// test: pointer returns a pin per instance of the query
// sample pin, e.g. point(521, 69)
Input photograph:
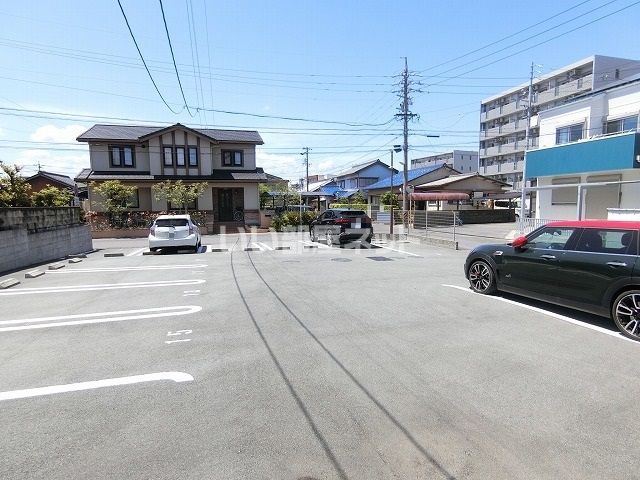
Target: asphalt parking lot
point(267, 356)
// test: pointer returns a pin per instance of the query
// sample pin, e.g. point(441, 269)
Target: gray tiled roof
point(356, 168)
point(133, 133)
point(56, 177)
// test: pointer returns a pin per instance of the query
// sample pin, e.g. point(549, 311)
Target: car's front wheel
point(626, 313)
point(481, 277)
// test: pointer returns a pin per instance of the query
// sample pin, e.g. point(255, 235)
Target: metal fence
point(433, 224)
point(526, 225)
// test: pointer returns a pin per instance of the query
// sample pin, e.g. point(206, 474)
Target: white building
point(464, 161)
point(503, 117)
point(593, 139)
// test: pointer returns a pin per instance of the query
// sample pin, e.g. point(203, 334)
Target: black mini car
point(587, 265)
point(341, 225)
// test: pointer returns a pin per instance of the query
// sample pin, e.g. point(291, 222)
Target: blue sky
point(68, 65)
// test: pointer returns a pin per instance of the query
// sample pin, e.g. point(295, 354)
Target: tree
point(357, 198)
point(179, 193)
point(51, 197)
point(116, 196)
point(389, 198)
point(14, 189)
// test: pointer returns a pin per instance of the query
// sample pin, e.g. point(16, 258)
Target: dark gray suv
point(341, 225)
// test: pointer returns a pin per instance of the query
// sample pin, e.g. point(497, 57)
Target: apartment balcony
point(483, 116)
point(509, 108)
point(491, 169)
point(571, 88)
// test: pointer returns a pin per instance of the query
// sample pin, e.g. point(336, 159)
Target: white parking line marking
point(177, 377)
point(545, 312)
point(127, 269)
point(136, 252)
point(399, 251)
point(106, 286)
point(314, 244)
point(265, 246)
point(101, 317)
point(169, 342)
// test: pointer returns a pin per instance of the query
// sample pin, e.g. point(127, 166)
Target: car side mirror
point(519, 242)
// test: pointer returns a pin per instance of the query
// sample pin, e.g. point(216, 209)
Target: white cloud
point(289, 167)
point(51, 133)
point(64, 163)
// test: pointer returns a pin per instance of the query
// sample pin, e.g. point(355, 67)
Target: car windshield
point(172, 222)
point(352, 213)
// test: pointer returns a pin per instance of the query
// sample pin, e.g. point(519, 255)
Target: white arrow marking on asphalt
point(545, 312)
point(136, 252)
point(106, 286)
point(102, 317)
point(109, 382)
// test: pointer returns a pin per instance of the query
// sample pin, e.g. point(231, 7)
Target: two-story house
point(143, 156)
point(361, 176)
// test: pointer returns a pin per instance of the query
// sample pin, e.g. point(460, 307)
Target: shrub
point(352, 206)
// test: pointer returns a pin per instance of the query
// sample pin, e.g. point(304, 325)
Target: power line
point(484, 47)
point(166, 28)
point(143, 60)
point(544, 41)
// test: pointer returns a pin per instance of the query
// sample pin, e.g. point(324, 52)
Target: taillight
point(191, 230)
point(153, 230)
point(366, 219)
point(343, 221)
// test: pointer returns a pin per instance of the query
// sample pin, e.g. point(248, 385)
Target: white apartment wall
point(565, 118)
point(629, 197)
point(604, 69)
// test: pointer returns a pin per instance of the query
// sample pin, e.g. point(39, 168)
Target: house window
point(122, 155)
point(180, 160)
point(232, 158)
point(565, 196)
point(621, 125)
point(572, 133)
point(193, 156)
point(167, 153)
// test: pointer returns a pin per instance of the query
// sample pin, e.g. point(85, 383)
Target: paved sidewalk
point(467, 236)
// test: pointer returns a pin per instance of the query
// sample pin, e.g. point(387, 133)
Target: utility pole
point(406, 115)
point(526, 147)
point(306, 161)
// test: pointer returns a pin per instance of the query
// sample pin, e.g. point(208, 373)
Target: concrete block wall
point(39, 218)
point(20, 248)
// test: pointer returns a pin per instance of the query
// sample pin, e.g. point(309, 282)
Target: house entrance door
point(225, 204)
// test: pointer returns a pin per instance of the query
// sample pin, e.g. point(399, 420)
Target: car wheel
point(329, 239)
point(153, 249)
point(481, 277)
point(312, 234)
point(626, 313)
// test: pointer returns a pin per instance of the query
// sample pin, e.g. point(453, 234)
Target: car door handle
point(616, 264)
point(548, 257)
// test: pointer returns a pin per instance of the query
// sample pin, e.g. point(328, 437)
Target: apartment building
point(464, 161)
point(503, 117)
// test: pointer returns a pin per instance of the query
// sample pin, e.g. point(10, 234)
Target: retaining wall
point(34, 235)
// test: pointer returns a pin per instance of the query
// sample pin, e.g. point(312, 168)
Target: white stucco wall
point(629, 196)
point(100, 161)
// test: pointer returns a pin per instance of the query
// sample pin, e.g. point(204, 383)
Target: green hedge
point(352, 206)
point(286, 219)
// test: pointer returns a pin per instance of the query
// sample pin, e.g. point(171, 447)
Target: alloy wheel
point(481, 277)
point(626, 314)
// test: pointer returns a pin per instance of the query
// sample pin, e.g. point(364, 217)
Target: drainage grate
point(381, 259)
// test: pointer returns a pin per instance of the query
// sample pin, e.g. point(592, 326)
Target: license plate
point(172, 235)
point(357, 224)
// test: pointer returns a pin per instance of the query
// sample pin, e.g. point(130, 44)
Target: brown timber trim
point(186, 154)
point(161, 156)
point(199, 155)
